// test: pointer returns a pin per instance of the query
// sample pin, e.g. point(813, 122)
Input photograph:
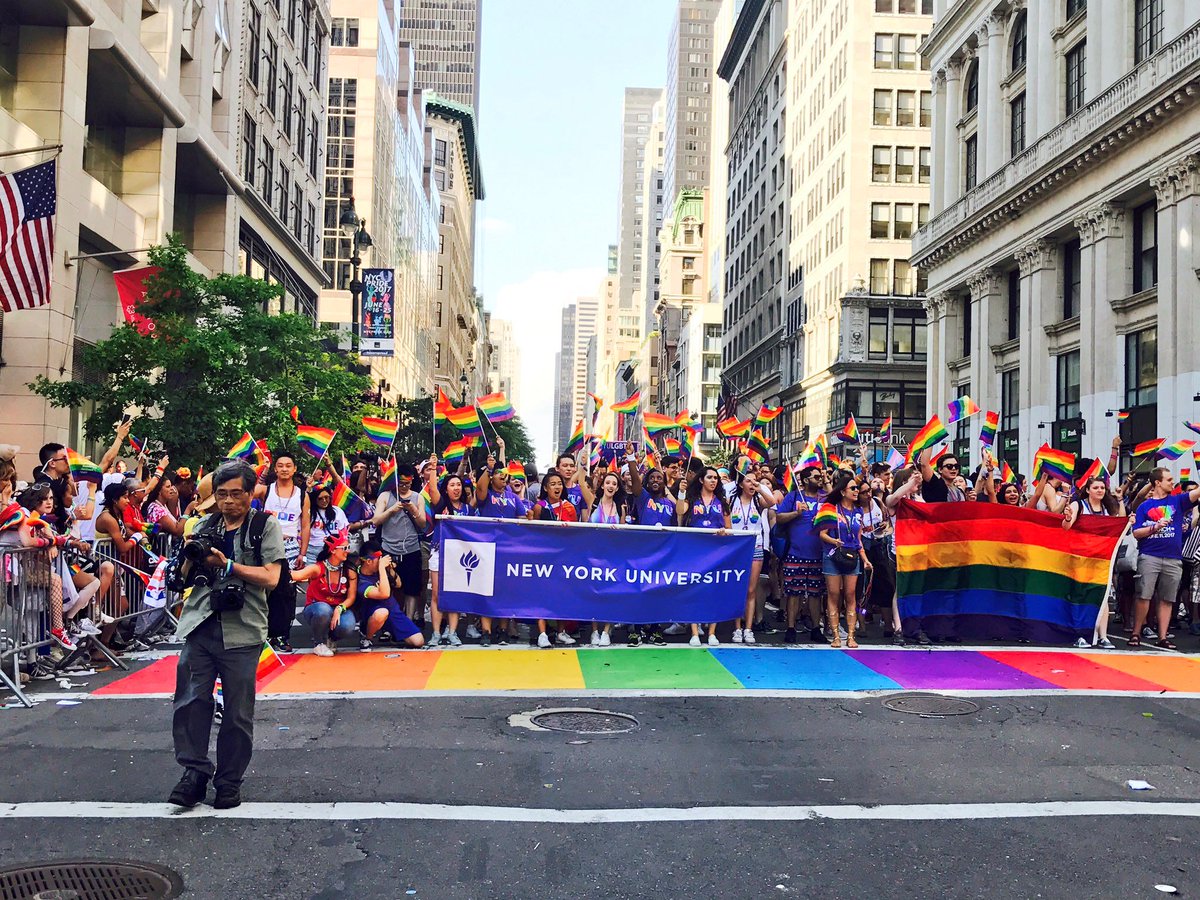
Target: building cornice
point(743, 28)
point(465, 117)
point(1154, 91)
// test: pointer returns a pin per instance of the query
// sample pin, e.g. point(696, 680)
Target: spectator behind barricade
point(39, 571)
point(330, 594)
point(378, 608)
point(160, 499)
point(112, 522)
point(940, 486)
point(185, 487)
point(223, 626)
point(324, 521)
point(1158, 527)
point(53, 464)
point(131, 514)
point(88, 577)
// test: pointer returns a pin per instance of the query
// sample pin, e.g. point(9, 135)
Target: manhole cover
point(586, 721)
point(931, 705)
point(89, 879)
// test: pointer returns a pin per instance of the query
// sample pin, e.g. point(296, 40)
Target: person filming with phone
point(399, 522)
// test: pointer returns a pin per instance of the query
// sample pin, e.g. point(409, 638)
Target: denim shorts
point(828, 567)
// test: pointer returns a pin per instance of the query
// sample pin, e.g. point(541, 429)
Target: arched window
point(973, 87)
point(1020, 37)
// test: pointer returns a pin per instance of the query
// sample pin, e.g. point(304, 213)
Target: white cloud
point(496, 226)
point(534, 306)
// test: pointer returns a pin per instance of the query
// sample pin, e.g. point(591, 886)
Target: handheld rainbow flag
point(821, 448)
point(826, 517)
point(1191, 426)
point(987, 433)
point(1054, 463)
point(1173, 451)
point(496, 407)
point(789, 480)
point(895, 459)
point(456, 450)
point(835, 460)
point(1006, 474)
point(656, 423)
point(849, 432)
point(809, 456)
point(1185, 474)
point(441, 408)
point(885, 430)
point(1147, 447)
point(597, 405)
point(962, 408)
point(576, 441)
point(466, 420)
point(766, 414)
point(758, 445)
point(688, 442)
point(83, 469)
point(387, 476)
point(322, 480)
point(243, 448)
point(671, 446)
point(380, 431)
point(1122, 415)
point(355, 508)
point(345, 469)
point(262, 453)
point(647, 439)
point(515, 469)
point(1095, 470)
point(731, 428)
point(931, 433)
point(268, 662)
point(313, 440)
point(744, 465)
point(294, 412)
point(629, 404)
point(933, 460)
point(138, 445)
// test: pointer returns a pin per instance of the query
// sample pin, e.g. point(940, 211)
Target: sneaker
point(748, 637)
point(737, 635)
point(771, 607)
point(1148, 632)
point(634, 639)
point(565, 639)
point(323, 649)
point(87, 626)
point(543, 640)
point(1082, 644)
point(454, 640)
point(434, 640)
point(502, 638)
point(365, 645)
point(485, 639)
point(189, 790)
point(227, 798)
point(1106, 644)
point(695, 641)
point(106, 619)
point(605, 639)
point(675, 628)
point(898, 639)
point(657, 639)
point(923, 638)
point(595, 638)
point(789, 636)
point(712, 641)
point(817, 636)
point(473, 632)
point(63, 638)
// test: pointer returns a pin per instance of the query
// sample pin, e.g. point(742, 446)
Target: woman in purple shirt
point(704, 505)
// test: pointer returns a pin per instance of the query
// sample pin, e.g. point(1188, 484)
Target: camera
point(229, 597)
point(188, 568)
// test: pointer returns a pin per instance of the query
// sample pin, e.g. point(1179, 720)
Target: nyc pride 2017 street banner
point(981, 570)
point(627, 574)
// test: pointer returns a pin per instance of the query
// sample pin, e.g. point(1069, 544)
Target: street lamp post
point(462, 383)
point(355, 229)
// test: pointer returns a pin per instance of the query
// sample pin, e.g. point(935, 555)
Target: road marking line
point(358, 811)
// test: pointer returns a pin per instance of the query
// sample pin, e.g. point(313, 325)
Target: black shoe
point(898, 639)
point(817, 636)
point(789, 636)
point(634, 639)
point(485, 639)
point(227, 798)
point(658, 640)
point(502, 638)
point(923, 638)
point(190, 789)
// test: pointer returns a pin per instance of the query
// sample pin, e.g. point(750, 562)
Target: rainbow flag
point(1185, 474)
point(648, 440)
point(1122, 416)
point(895, 459)
point(380, 431)
point(821, 448)
point(987, 434)
point(688, 443)
point(268, 662)
point(355, 508)
point(243, 449)
point(1095, 470)
point(294, 412)
point(576, 441)
point(933, 460)
point(465, 419)
point(684, 420)
point(766, 414)
point(313, 440)
point(322, 480)
point(1192, 426)
point(672, 446)
point(962, 408)
point(629, 404)
point(83, 469)
point(345, 469)
point(456, 450)
point(809, 457)
point(743, 465)
point(496, 407)
point(849, 433)
point(1174, 451)
point(758, 445)
point(1147, 447)
point(789, 480)
point(835, 460)
point(885, 430)
point(656, 423)
point(441, 408)
point(983, 570)
point(826, 516)
point(14, 517)
point(597, 405)
point(732, 428)
point(1056, 463)
point(138, 445)
point(262, 453)
point(931, 433)
point(387, 476)
point(1006, 474)
point(515, 469)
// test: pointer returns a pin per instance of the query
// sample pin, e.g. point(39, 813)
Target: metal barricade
point(126, 598)
point(25, 583)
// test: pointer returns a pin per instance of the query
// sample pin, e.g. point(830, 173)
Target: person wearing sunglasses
point(939, 487)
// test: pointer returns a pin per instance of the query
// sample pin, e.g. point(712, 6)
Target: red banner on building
point(131, 290)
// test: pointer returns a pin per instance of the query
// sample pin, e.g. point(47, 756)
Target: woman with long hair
point(332, 590)
point(750, 512)
point(553, 506)
point(839, 524)
point(1095, 499)
point(282, 495)
point(450, 498)
point(156, 508)
point(83, 577)
point(611, 504)
point(704, 505)
point(34, 530)
point(325, 520)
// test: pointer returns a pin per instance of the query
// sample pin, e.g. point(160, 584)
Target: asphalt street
point(686, 752)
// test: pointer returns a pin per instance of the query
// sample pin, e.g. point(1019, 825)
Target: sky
point(553, 78)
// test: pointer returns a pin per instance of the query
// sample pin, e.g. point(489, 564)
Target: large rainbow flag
point(982, 570)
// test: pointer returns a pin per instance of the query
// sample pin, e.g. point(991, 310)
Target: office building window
point(1068, 385)
point(972, 87)
point(877, 327)
point(967, 315)
point(881, 164)
point(439, 152)
point(902, 282)
point(441, 283)
point(910, 335)
point(907, 56)
point(271, 83)
point(297, 204)
point(1147, 28)
point(1141, 368)
point(883, 108)
point(1075, 7)
point(285, 193)
point(287, 85)
point(905, 160)
point(881, 220)
point(1020, 42)
point(885, 51)
point(971, 167)
point(343, 32)
point(254, 50)
point(923, 166)
point(904, 222)
point(1014, 304)
point(1076, 77)
point(1145, 247)
point(1017, 123)
point(906, 107)
point(926, 109)
point(879, 281)
point(249, 147)
point(1010, 411)
point(1072, 278)
point(268, 171)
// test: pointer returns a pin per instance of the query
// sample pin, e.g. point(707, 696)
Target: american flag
point(27, 204)
point(728, 402)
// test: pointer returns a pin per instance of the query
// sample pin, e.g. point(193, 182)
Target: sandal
point(1164, 644)
point(1134, 642)
point(851, 644)
point(836, 642)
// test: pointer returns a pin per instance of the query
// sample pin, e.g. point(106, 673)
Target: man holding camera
point(236, 555)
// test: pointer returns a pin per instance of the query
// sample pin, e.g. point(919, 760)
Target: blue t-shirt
point(848, 529)
point(651, 511)
point(1171, 512)
point(805, 544)
point(575, 496)
point(502, 506)
point(711, 515)
point(465, 510)
point(364, 582)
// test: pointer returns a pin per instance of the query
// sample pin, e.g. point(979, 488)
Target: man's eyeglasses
point(230, 495)
point(60, 459)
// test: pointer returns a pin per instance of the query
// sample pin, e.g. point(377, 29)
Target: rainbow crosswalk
point(687, 669)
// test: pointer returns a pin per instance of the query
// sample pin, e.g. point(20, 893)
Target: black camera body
point(229, 597)
point(188, 567)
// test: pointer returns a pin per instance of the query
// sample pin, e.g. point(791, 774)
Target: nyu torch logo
point(468, 567)
point(470, 562)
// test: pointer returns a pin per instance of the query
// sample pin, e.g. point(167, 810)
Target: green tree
point(216, 364)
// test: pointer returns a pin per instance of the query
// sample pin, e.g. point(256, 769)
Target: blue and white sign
point(635, 575)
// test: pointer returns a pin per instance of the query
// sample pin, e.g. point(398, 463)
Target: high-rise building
point(684, 283)
point(445, 37)
point(849, 219)
point(587, 316)
point(375, 166)
point(1062, 250)
point(564, 383)
point(281, 141)
point(653, 206)
point(506, 370)
point(636, 116)
point(687, 141)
